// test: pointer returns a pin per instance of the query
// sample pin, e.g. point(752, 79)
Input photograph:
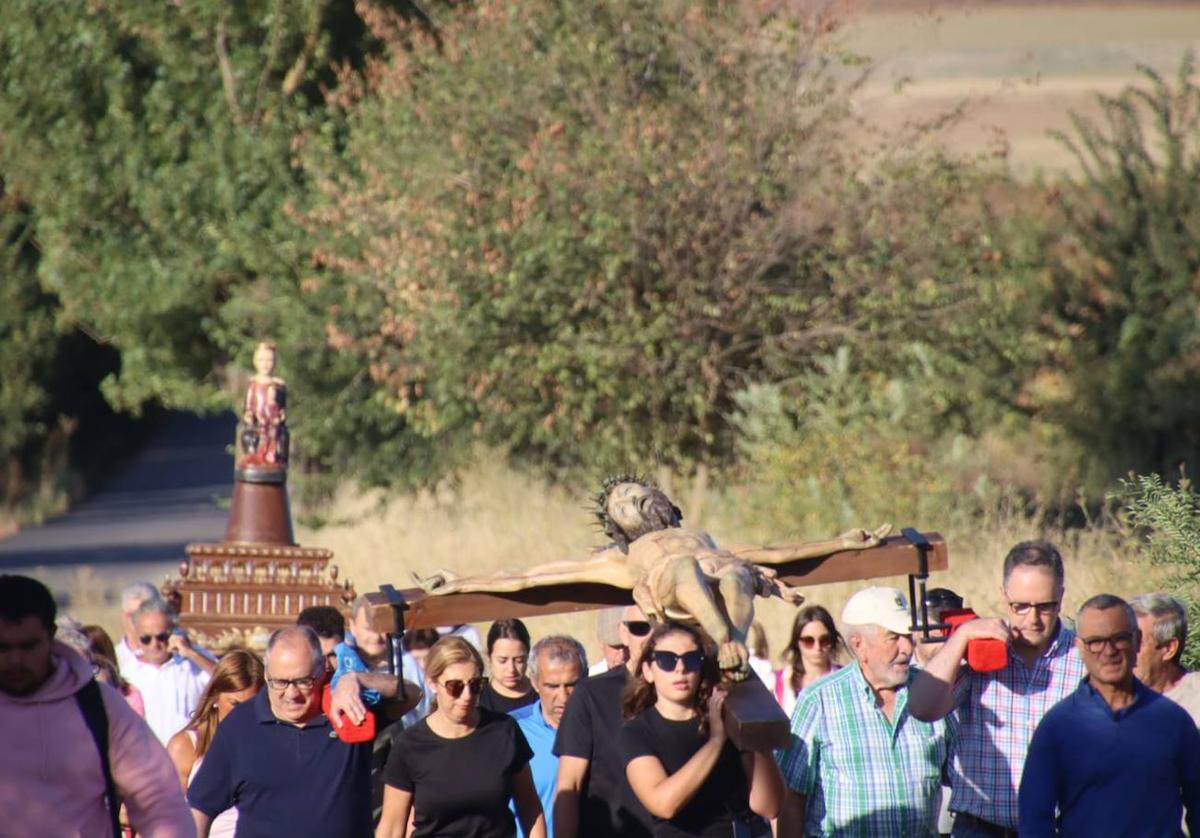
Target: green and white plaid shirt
point(863, 775)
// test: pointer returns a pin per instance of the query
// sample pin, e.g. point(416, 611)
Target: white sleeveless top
point(224, 824)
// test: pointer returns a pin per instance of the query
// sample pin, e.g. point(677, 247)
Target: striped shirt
point(994, 719)
point(861, 774)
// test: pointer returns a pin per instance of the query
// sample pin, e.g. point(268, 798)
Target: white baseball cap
point(879, 606)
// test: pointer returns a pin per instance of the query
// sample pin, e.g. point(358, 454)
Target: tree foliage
point(1168, 518)
point(156, 156)
point(1122, 281)
point(575, 232)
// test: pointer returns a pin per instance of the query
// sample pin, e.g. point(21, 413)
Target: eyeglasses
point(1043, 608)
point(638, 628)
point(1121, 642)
point(667, 661)
point(281, 684)
point(161, 637)
point(825, 641)
point(455, 686)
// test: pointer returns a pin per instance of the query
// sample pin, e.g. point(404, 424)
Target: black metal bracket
point(395, 638)
point(916, 585)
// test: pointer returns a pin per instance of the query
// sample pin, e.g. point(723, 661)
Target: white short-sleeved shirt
point(170, 691)
point(1186, 693)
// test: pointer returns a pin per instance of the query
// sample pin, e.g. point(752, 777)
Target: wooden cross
point(754, 720)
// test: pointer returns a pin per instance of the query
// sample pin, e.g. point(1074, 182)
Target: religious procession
point(747, 418)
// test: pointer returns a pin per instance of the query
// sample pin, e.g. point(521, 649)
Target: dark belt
point(986, 827)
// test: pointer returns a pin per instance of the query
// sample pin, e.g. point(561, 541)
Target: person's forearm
point(668, 797)
point(200, 660)
point(566, 799)
point(931, 692)
point(766, 785)
point(791, 814)
point(203, 823)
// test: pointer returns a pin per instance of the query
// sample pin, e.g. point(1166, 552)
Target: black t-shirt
point(489, 699)
point(722, 798)
point(461, 787)
point(589, 729)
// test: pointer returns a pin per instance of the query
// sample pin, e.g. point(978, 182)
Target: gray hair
point(77, 640)
point(299, 634)
point(156, 606)
point(1103, 602)
point(140, 593)
point(360, 602)
point(560, 648)
point(1170, 617)
point(859, 630)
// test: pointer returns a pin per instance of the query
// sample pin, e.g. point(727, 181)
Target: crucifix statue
point(673, 572)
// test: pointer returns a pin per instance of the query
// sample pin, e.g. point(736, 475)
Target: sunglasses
point(638, 628)
point(825, 641)
point(161, 637)
point(667, 661)
point(455, 686)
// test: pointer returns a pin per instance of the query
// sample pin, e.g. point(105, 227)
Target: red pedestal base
point(260, 514)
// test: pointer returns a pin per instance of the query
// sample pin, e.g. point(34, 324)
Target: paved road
point(174, 491)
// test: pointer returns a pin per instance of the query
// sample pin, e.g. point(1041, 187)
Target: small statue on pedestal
point(263, 435)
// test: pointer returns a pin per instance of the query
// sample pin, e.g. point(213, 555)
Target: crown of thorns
point(600, 509)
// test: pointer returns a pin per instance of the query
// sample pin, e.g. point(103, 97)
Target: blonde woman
point(237, 679)
point(460, 765)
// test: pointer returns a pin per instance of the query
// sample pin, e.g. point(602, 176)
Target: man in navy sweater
point(1115, 757)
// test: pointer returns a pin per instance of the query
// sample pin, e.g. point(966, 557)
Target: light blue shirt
point(544, 765)
point(348, 660)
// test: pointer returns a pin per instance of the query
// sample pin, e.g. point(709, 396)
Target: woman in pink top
point(811, 654)
point(237, 679)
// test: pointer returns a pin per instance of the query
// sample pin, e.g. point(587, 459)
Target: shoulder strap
point(91, 704)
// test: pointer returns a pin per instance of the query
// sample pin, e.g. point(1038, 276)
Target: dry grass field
point(1018, 70)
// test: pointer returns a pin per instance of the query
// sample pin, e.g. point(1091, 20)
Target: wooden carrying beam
point(894, 557)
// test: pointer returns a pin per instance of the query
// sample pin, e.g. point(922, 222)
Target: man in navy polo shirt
point(278, 761)
point(1114, 757)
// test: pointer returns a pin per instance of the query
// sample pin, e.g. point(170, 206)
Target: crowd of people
point(1087, 726)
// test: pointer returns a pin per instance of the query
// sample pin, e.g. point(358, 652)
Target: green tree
point(1122, 282)
point(1167, 519)
point(577, 231)
point(155, 146)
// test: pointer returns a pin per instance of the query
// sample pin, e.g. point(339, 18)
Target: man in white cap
point(858, 762)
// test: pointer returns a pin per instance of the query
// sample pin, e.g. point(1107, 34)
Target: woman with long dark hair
point(679, 762)
point(460, 765)
point(811, 653)
point(239, 677)
point(508, 687)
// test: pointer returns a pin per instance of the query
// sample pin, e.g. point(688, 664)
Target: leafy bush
point(1122, 255)
point(575, 232)
point(1168, 518)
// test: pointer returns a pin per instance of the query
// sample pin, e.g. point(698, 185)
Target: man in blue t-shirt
point(1115, 757)
point(556, 664)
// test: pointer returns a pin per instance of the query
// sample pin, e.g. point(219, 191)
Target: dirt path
point(135, 527)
